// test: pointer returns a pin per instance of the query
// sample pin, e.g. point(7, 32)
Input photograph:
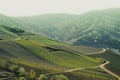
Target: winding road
point(102, 66)
point(102, 51)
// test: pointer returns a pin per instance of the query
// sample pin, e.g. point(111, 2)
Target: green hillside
point(57, 56)
point(98, 28)
point(23, 44)
point(39, 53)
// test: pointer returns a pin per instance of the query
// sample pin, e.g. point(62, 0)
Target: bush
point(22, 78)
point(21, 71)
point(42, 77)
point(4, 64)
point(14, 68)
point(59, 77)
point(32, 74)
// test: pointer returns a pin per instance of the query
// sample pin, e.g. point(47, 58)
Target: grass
point(20, 55)
point(60, 57)
point(78, 49)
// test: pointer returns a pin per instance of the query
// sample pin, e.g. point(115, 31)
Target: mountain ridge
point(99, 28)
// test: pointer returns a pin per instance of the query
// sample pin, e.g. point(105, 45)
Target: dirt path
point(108, 71)
point(76, 69)
point(103, 50)
point(102, 66)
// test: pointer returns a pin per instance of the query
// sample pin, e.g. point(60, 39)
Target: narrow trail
point(108, 71)
point(103, 50)
point(102, 66)
point(77, 69)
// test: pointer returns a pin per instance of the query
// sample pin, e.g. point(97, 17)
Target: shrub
point(32, 74)
point(14, 68)
point(22, 78)
point(42, 77)
point(4, 63)
point(21, 71)
point(59, 77)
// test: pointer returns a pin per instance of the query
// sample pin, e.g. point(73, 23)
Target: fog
point(36, 7)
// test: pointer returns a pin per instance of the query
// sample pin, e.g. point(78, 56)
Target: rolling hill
point(46, 56)
point(99, 28)
point(21, 43)
point(39, 53)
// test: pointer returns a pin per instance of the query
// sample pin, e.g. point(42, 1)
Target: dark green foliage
point(15, 30)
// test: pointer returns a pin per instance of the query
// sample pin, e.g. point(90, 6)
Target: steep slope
point(101, 29)
point(98, 28)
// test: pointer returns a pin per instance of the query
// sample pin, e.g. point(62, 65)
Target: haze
point(37, 7)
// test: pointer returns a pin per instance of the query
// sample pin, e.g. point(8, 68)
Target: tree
point(32, 74)
point(42, 77)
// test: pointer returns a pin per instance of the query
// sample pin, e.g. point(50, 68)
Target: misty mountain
point(100, 28)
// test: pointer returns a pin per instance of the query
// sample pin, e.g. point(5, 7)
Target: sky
point(38, 7)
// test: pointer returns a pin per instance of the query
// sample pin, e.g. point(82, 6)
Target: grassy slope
point(33, 53)
point(66, 47)
point(19, 54)
point(60, 57)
